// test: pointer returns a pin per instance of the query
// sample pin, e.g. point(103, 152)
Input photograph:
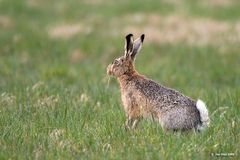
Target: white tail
point(202, 108)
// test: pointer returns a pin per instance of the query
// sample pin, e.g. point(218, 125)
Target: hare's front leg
point(131, 123)
point(128, 123)
point(135, 122)
point(132, 111)
point(132, 120)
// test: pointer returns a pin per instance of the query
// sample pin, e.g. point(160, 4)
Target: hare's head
point(125, 64)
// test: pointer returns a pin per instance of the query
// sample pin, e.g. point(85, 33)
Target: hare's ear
point(128, 44)
point(137, 46)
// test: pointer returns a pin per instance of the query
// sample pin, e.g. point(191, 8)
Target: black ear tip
point(142, 37)
point(129, 35)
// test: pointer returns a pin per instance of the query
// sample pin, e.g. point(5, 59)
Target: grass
point(55, 100)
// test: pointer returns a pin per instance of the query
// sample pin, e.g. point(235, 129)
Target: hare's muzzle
point(109, 69)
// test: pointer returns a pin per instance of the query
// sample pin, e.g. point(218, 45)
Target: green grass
point(52, 107)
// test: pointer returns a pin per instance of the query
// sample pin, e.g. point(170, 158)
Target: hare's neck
point(126, 79)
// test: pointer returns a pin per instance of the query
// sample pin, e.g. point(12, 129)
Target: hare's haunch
point(142, 97)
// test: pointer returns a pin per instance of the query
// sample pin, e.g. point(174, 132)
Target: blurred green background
point(56, 101)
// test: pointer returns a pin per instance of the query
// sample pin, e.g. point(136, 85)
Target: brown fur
point(143, 97)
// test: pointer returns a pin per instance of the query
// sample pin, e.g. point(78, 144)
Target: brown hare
point(142, 97)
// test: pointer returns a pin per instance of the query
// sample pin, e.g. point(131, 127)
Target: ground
point(56, 101)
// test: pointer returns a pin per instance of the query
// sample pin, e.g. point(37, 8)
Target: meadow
point(56, 101)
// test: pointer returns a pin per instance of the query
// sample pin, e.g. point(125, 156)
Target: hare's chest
point(131, 99)
point(127, 98)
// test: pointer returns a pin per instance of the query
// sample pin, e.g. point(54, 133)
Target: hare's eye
point(116, 61)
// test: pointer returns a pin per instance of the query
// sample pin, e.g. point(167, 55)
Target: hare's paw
point(131, 123)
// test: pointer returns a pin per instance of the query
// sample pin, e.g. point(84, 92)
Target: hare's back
point(160, 94)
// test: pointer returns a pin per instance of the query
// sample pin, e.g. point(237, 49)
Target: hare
point(142, 97)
